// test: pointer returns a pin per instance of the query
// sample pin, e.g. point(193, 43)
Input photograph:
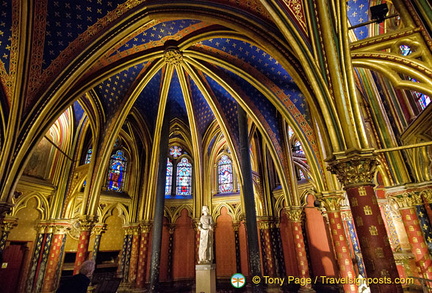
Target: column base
point(205, 278)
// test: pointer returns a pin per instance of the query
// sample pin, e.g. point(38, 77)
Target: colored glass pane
point(290, 132)
point(175, 151)
point(169, 173)
point(88, 156)
point(298, 149)
point(422, 99)
point(225, 175)
point(184, 177)
point(116, 172)
point(405, 50)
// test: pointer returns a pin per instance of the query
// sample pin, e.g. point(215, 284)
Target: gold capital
point(354, 170)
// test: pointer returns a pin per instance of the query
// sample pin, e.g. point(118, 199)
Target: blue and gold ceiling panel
point(175, 97)
point(158, 32)
point(66, 20)
point(5, 35)
point(228, 106)
point(358, 12)
point(78, 112)
point(113, 90)
point(148, 100)
point(202, 111)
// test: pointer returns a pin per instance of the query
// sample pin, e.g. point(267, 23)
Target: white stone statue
point(205, 225)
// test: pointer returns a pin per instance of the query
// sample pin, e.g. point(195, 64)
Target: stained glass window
point(225, 175)
point(298, 149)
point(116, 172)
point(169, 173)
point(88, 156)
point(422, 99)
point(184, 177)
point(175, 151)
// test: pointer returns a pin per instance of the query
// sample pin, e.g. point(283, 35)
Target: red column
point(133, 268)
point(142, 257)
point(86, 226)
point(416, 239)
point(54, 257)
point(296, 216)
point(340, 243)
point(356, 171)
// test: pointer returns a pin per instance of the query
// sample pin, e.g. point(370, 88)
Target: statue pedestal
point(205, 278)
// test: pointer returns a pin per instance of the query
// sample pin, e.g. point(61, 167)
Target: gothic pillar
point(86, 225)
point(42, 257)
point(277, 247)
point(133, 264)
point(126, 256)
point(6, 226)
point(332, 204)
point(296, 217)
point(236, 226)
point(35, 261)
point(171, 229)
point(142, 257)
point(98, 229)
point(53, 268)
point(407, 203)
point(266, 246)
point(356, 172)
point(248, 197)
point(352, 233)
point(160, 195)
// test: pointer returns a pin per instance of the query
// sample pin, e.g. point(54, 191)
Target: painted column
point(296, 217)
point(236, 226)
point(419, 249)
point(171, 230)
point(142, 257)
point(356, 172)
point(277, 247)
point(134, 255)
point(43, 258)
point(127, 254)
point(266, 248)
point(52, 272)
point(86, 225)
point(425, 223)
point(98, 229)
point(352, 233)
point(6, 225)
point(122, 260)
point(35, 261)
point(332, 202)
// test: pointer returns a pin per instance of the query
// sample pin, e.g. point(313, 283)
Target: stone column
point(248, 198)
point(296, 217)
point(332, 202)
point(53, 267)
point(268, 258)
point(356, 172)
point(134, 254)
point(98, 229)
point(142, 257)
point(43, 257)
point(34, 264)
point(407, 203)
point(86, 225)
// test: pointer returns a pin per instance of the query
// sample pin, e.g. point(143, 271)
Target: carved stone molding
point(407, 200)
point(354, 170)
point(173, 56)
point(145, 226)
point(295, 214)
